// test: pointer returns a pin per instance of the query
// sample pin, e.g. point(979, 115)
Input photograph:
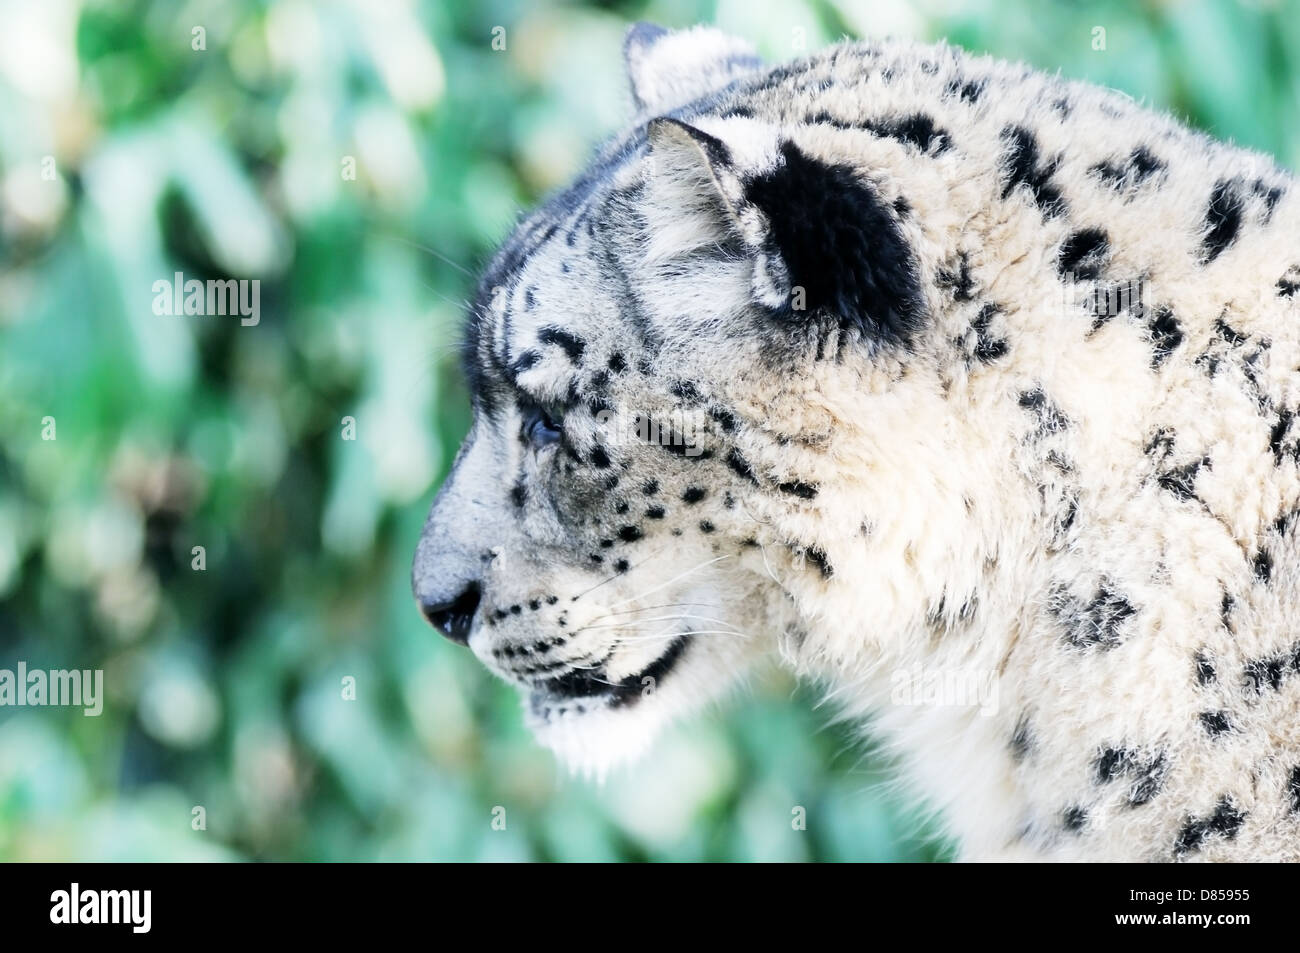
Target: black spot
point(1097, 623)
point(534, 605)
point(1289, 284)
point(1269, 194)
point(1293, 788)
point(1111, 173)
point(515, 609)
point(1250, 371)
point(629, 534)
point(1166, 335)
point(572, 345)
point(1277, 435)
point(1204, 666)
point(1021, 739)
point(599, 458)
point(685, 390)
point(1021, 166)
point(818, 558)
point(1215, 722)
point(1074, 819)
point(519, 493)
point(1083, 254)
point(1225, 822)
point(1265, 672)
point(606, 543)
point(987, 348)
point(1050, 418)
point(725, 418)
point(969, 90)
point(1285, 521)
point(842, 245)
point(596, 558)
point(693, 494)
point(1263, 566)
point(1222, 220)
point(806, 491)
point(650, 487)
point(616, 363)
point(1161, 442)
point(621, 566)
point(667, 437)
point(741, 466)
point(1139, 166)
point(1111, 763)
point(1143, 163)
point(706, 526)
point(917, 129)
point(958, 279)
point(1147, 773)
point(655, 513)
point(1181, 481)
point(552, 600)
point(611, 481)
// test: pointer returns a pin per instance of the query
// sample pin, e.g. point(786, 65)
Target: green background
point(126, 155)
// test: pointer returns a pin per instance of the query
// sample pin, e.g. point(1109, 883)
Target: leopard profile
point(893, 364)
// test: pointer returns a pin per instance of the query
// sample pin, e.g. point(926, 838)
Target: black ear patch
point(842, 245)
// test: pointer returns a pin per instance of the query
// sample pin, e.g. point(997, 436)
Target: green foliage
point(225, 686)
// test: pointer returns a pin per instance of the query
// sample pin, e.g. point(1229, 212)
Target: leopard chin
point(595, 726)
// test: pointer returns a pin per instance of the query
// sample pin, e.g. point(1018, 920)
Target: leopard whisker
point(611, 578)
point(641, 622)
point(680, 576)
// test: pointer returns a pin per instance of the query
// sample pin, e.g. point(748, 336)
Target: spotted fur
point(897, 359)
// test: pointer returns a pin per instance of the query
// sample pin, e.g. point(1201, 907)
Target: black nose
point(454, 619)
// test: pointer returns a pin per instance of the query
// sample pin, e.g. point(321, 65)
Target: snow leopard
point(967, 393)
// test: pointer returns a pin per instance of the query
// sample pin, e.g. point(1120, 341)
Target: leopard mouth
point(587, 688)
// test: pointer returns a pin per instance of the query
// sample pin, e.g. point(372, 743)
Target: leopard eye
point(540, 429)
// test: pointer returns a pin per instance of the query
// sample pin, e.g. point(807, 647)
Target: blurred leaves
point(360, 160)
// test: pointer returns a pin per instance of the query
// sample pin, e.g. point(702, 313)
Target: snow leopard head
point(640, 506)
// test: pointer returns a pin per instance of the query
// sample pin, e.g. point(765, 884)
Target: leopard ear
point(694, 181)
point(668, 69)
point(825, 247)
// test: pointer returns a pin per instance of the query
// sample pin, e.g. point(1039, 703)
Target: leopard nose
point(455, 618)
